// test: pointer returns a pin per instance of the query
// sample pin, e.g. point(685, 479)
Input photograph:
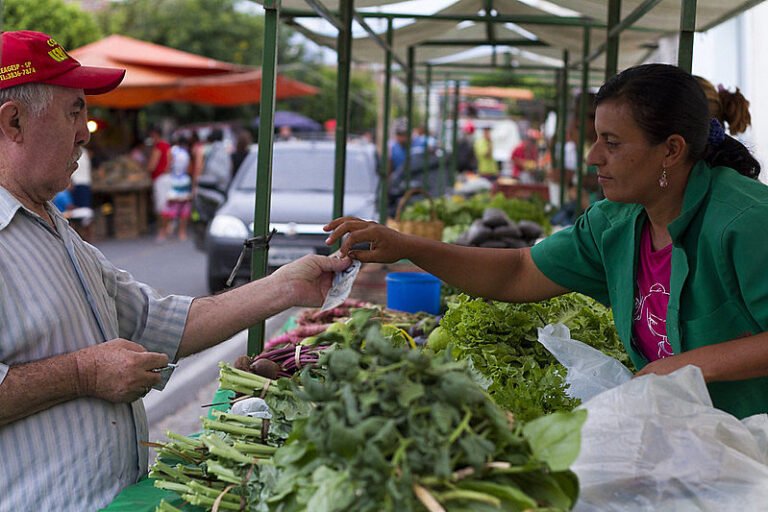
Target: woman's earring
point(663, 182)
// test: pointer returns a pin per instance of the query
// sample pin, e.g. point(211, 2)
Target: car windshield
point(310, 169)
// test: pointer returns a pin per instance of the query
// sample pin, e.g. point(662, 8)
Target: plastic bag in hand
point(589, 371)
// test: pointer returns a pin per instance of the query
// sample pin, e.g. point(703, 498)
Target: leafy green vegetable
point(394, 428)
point(457, 213)
point(501, 341)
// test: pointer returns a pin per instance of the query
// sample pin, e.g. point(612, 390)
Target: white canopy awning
point(636, 43)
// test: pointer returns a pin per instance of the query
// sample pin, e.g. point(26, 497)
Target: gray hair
point(35, 97)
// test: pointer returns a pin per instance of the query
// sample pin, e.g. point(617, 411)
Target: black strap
point(257, 242)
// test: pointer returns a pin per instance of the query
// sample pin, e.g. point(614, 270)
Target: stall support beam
point(625, 24)
point(687, 29)
point(425, 155)
point(444, 178)
point(385, 163)
point(264, 162)
point(563, 126)
point(455, 131)
point(344, 46)
point(582, 118)
point(409, 113)
point(612, 41)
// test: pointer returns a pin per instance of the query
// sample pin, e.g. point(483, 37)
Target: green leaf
point(409, 392)
point(556, 438)
point(334, 491)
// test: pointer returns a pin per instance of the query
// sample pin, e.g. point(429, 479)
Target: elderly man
point(80, 340)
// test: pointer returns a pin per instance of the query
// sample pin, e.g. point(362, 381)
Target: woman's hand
point(386, 245)
point(664, 366)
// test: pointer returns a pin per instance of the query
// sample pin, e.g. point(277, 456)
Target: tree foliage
point(67, 23)
point(321, 107)
point(219, 29)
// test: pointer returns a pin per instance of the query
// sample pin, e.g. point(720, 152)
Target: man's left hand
point(308, 279)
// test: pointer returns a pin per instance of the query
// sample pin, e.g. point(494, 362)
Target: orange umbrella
point(156, 73)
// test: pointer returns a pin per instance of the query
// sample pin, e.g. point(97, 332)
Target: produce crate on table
point(432, 228)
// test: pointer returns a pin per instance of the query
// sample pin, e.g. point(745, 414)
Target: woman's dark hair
point(666, 100)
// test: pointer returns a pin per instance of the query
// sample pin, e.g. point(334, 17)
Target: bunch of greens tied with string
point(396, 429)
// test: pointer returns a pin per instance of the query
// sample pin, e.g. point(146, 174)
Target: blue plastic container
point(413, 292)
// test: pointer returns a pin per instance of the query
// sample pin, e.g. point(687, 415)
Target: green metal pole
point(425, 155)
point(443, 118)
point(455, 131)
point(385, 174)
point(563, 126)
point(687, 28)
point(612, 41)
point(344, 47)
point(582, 117)
point(559, 118)
point(264, 169)
point(409, 113)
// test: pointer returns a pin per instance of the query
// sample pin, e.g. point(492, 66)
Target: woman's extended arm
point(739, 359)
point(500, 274)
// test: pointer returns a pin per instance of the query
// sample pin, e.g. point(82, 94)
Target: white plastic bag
point(589, 371)
point(656, 443)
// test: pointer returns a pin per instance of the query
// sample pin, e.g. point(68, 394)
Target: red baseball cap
point(33, 57)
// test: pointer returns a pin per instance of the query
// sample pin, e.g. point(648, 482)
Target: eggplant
point(493, 217)
point(511, 230)
point(531, 230)
point(478, 233)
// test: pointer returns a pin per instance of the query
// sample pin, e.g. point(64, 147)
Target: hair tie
point(716, 133)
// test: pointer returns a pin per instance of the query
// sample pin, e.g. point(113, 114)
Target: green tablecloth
point(144, 496)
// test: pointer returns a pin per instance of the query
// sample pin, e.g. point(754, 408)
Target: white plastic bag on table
point(656, 443)
point(589, 371)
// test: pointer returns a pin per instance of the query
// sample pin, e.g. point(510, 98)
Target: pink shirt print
point(650, 315)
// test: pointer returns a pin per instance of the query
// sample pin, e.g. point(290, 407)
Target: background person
point(675, 248)
point(157, 166)
point(486, 164)
point(730, 108)
point(81, 340)
point(178, 201)
point(525, 156)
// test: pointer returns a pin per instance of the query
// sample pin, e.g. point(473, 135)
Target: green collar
point(695, 191)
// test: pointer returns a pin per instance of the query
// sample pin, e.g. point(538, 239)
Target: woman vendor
point(674, 248)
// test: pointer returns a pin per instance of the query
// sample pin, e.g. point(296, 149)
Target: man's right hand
point(386, 245)
point(117, 370)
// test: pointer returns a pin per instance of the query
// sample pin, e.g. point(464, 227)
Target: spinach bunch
point(501, 341)
point(399, 429)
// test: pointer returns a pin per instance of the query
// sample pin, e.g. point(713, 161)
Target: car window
point(310, 169)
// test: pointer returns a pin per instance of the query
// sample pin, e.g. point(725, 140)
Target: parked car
point(301, 204)
point(439, 177)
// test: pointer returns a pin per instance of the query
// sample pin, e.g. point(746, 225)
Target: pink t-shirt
point(650, 318)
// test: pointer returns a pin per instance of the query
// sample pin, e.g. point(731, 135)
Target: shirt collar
point(9, 205)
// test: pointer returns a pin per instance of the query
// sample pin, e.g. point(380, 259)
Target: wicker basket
point(428, 229)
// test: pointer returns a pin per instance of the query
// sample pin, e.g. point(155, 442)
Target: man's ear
point(10, 121)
